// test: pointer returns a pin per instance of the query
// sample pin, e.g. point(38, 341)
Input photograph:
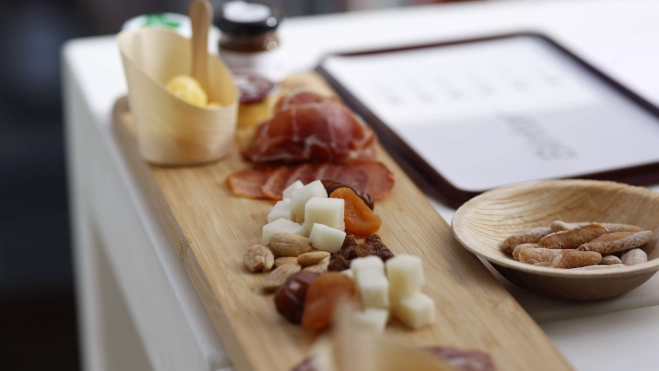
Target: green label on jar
point(160, 19)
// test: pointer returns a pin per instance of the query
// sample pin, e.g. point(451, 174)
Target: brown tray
point(211, 229)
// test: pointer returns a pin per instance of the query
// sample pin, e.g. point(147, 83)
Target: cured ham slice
point(248, 183)
point(312, 128)
point(372, 178)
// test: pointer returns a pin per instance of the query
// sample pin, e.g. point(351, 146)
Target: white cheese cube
point(325, 238)
point(405, 274)
point(282, 210)
point(304, 194)
point(372, 319)
point(368, 263)
point(281, 226)
point(373, 289)
point(290, 190)
point(327, 211)
point(415, 311)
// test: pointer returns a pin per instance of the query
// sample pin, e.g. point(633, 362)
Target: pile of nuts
point(288, 253)
point(585, 245)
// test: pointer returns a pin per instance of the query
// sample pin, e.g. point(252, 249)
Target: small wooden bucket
point(169, 130)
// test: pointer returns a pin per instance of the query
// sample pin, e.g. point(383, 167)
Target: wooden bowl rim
point(485, 252)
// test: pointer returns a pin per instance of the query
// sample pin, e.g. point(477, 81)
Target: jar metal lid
point(241, 18)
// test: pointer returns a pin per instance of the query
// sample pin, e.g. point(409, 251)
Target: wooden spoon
point(200, 17)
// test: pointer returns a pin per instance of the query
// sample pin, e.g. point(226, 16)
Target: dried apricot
point(359, 218)
point(333, 185)
point(324, 293)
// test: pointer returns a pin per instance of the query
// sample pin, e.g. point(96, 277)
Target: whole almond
point(572, 238)
point(312, 257)
point(285, 260)
point(530, 236)
point(619, 241)
point(277, 277)
point(633, 257)
point(288, 244)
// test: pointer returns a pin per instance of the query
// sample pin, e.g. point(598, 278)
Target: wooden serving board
point(211, 229)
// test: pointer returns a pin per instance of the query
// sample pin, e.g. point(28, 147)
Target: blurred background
point(37, 300)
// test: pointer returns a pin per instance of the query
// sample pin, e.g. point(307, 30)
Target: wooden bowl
point(482, 224)
point(169, 130)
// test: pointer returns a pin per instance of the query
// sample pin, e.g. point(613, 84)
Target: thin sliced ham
point(373, 178)
point(249, 182)
point(307, 127)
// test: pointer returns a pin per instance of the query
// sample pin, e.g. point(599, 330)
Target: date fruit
point(290, 297)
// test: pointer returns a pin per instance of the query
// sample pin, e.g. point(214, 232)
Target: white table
point(138, 309)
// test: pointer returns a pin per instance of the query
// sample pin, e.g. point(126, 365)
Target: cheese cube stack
point(325, 238)
point(327, 211)
point(290, 190)
point(281, 226)
point(373, 289)
point(405, 273)
point(369, 263)
point(372, 319)
point(416, 311)
point(301, 196)
point(409, 305)
point(282, 210)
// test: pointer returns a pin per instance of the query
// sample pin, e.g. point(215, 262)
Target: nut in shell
point(258, 258)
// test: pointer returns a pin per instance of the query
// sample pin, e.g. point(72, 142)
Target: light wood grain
point(169, 130)
point(212, 228)
point(484, 222)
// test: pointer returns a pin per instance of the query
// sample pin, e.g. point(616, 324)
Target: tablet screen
point(502, 111)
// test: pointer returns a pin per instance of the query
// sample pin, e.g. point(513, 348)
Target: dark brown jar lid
point(241, 18)
point(253, 88)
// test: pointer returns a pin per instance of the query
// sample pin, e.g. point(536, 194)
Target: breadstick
point(634, 256)
point(619, 241)
point(557, 258)
point(572, 238)
point(610, 260)
point(531, 236)
point(521, 247)
point(558, 225)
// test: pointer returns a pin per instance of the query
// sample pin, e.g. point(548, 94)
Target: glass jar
point(249, 41)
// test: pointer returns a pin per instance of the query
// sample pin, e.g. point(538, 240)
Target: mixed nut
point(585, 245)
